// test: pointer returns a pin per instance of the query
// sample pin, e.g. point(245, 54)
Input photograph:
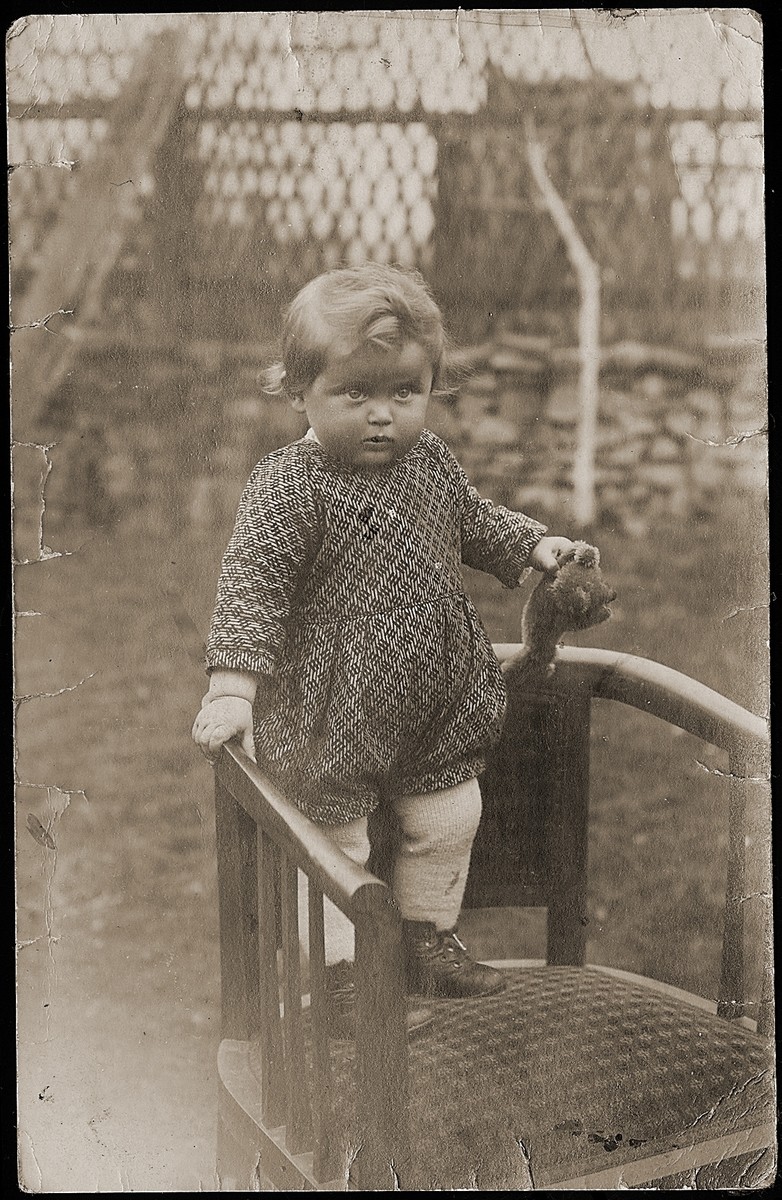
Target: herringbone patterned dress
point(341, 588)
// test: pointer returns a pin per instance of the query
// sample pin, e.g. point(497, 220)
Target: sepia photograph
point(390, 508)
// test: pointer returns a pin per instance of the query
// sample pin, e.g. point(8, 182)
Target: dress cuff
point(515, 569)
point(256, 662)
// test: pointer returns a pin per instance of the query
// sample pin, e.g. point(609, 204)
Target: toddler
point(343, 650)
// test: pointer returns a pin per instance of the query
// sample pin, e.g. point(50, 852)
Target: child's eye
point(355, 393)
point(405, 391)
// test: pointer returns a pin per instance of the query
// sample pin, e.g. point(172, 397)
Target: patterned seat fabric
point(575, 1071)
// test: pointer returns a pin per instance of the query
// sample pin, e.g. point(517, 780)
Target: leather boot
point(341, 1004)
point(438, 964)
point(340, 1000)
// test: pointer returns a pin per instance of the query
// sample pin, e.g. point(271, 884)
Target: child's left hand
point(547, 553)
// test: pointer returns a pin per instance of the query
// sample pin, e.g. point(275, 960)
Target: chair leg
point(238, 1169)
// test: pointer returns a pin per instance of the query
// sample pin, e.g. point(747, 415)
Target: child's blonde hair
point(348, 307)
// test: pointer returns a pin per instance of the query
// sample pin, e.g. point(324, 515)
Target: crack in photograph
point(391, 601)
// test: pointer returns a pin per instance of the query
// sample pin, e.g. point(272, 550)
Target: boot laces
point(452, 947)
point(343, 994)
point(340, 984)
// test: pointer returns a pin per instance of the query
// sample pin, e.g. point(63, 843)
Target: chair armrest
point(655, 689)
point(351, 887)
point(265, 841)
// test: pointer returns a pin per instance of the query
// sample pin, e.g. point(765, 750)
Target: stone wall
point(165, 438)
point(674, 430)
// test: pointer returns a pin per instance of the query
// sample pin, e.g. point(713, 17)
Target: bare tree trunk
point(588, 275)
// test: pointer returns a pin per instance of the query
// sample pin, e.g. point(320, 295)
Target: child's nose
point(380, 411)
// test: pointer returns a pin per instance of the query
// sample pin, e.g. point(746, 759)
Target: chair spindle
point(324, 1165)
point(272, 1063)
point(731, 994)
point(241, 1003)
point(298, 1125)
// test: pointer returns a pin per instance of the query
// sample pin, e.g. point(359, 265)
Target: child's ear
point(297, 402)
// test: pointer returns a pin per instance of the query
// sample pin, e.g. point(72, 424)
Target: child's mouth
point(378, 440)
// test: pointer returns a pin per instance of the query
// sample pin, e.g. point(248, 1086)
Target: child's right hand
point(220, 720)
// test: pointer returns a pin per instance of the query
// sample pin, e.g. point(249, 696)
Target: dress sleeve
point(262, 570)
point(495, 539)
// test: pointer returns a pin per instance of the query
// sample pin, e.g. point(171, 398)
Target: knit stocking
point(430, 874)
point(339, 935)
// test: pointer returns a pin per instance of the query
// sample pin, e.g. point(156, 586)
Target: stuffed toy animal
point(576, 597)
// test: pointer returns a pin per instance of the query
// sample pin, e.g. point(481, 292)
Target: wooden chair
point(576, 1077)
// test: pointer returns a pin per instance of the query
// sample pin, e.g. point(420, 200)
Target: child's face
point(368, 408)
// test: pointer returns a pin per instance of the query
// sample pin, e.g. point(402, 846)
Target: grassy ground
point(119, 973)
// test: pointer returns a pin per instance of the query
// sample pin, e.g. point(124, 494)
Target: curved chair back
point(531, 848)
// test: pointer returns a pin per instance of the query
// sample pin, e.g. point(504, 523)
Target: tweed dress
point(341, 589)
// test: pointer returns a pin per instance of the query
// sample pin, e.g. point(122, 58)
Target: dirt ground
point(118, 971)
point(118, 976)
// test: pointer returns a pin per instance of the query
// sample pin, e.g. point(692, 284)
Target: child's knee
point(352, 839)
point(440, 821)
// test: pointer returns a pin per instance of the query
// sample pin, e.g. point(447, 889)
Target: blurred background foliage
point(290, 143)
